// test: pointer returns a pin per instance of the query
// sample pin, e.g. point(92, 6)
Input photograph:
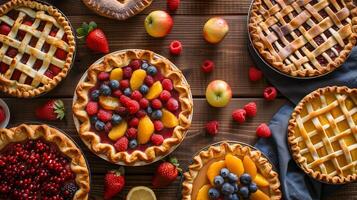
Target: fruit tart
point(40, 162)
point(230, 170)
point(303, 38)
point(36, 48)
point(322, 134)
point(133, 106)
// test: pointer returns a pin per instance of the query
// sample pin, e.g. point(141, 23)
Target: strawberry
point(114, 182)
point(173, 4)
point(51, 110)
point(166, 173)
point(95, 37)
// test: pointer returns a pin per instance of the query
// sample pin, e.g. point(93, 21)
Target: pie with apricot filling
point(230, 171)
point(322, 134)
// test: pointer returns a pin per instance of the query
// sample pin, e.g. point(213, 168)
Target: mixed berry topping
point(133, 107)
point(35, 169)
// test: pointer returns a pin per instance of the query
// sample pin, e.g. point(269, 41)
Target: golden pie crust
point(275, 37)
point(322, 134)
point(117, 9)
point(219, 151)
point(18, 89)
point(122, 59)
point(64, 144)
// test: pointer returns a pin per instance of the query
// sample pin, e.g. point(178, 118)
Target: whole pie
point(322, 134)
point(303, 38)
point(40, 162)
point(132, 107)
point(117, 9)
point(230, 171)
point(36, 48)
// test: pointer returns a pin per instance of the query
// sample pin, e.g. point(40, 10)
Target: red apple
point(158, 23)
point(215, 30)
point(218, 93)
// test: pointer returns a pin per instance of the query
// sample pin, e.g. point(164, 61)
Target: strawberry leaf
point(81, 32)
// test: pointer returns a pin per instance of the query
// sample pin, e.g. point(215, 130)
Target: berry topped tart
point(230, 170)
point(303, 38)
point(322, 134)
point(40, 162)
point(133, 107)
point(36, 48)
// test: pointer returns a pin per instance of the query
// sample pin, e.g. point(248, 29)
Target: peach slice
point(234, 164)
point(169, 119)
point(250, 167)
point(116, 74)
point(145, 130)
point(214, 170)
point(118, 131)
point(154, 91)
point(109, 103)
point(137, 79)
point(203, 193)
point(261, 181)
point(259, 195)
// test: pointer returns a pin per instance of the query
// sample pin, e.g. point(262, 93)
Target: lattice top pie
point(37, 47)
point(303, 38)
point(323, 134)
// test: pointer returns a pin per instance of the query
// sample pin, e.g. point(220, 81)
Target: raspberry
point(124, 99)
point(175, 47)
point(149, 80)
point(117, 93)
point(135, 64)
point(133, 106)
point(144, 103)
point(134, 122)
point(92, 108)
point(124, 84)
point(127, 72)
point(140, 113)
point(136, 95)
point(173, 5)
point(121, 144)
point(159, 126)
point(131, 133)
point(103, 76)
point(104, 115)
point(255, 74)
point(212, 128)
point(157, 139)
point(263, 130)
point(270, 93)
point(167, 84)
point(251, 109)
point(207, 66)
point(2, 115)
point(156, 104)
point(239, 115)
point(172, 104)
point(122, 111)
point(165, 95)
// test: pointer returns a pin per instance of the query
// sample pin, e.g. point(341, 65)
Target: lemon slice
point(141, 193)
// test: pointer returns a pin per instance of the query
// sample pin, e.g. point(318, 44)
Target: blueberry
point(144, 66)
point(95, 95)
point(236, 187)
point(105, 90)
point(245, 179)
point(149, 110)
point(99, 125)
point(227, 189)
point(224, 172)
point(244, 191)
point(213, 193)
point(152, 70)
point(133, 144)
point(127, 92)
point(232, 178)
point(114, 84)
point(232, 197)
point(116, 119)
point(253, 188)
point(144, 89)
point(157, 114)
point(94, 119)
point(218, 181)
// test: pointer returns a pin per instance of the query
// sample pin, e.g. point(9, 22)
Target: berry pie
point(230, 170)
point(40, 162)
point(322, 134)
point(303, 38)
point(134, 106)
point(36, 48)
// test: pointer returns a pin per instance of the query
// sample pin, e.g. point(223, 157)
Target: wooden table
point(232, 61)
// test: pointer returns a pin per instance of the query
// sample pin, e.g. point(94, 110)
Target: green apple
point(215, 30)
point(218, 93)
point(158, 23)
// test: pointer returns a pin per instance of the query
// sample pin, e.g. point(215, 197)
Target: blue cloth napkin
point(295, 184)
